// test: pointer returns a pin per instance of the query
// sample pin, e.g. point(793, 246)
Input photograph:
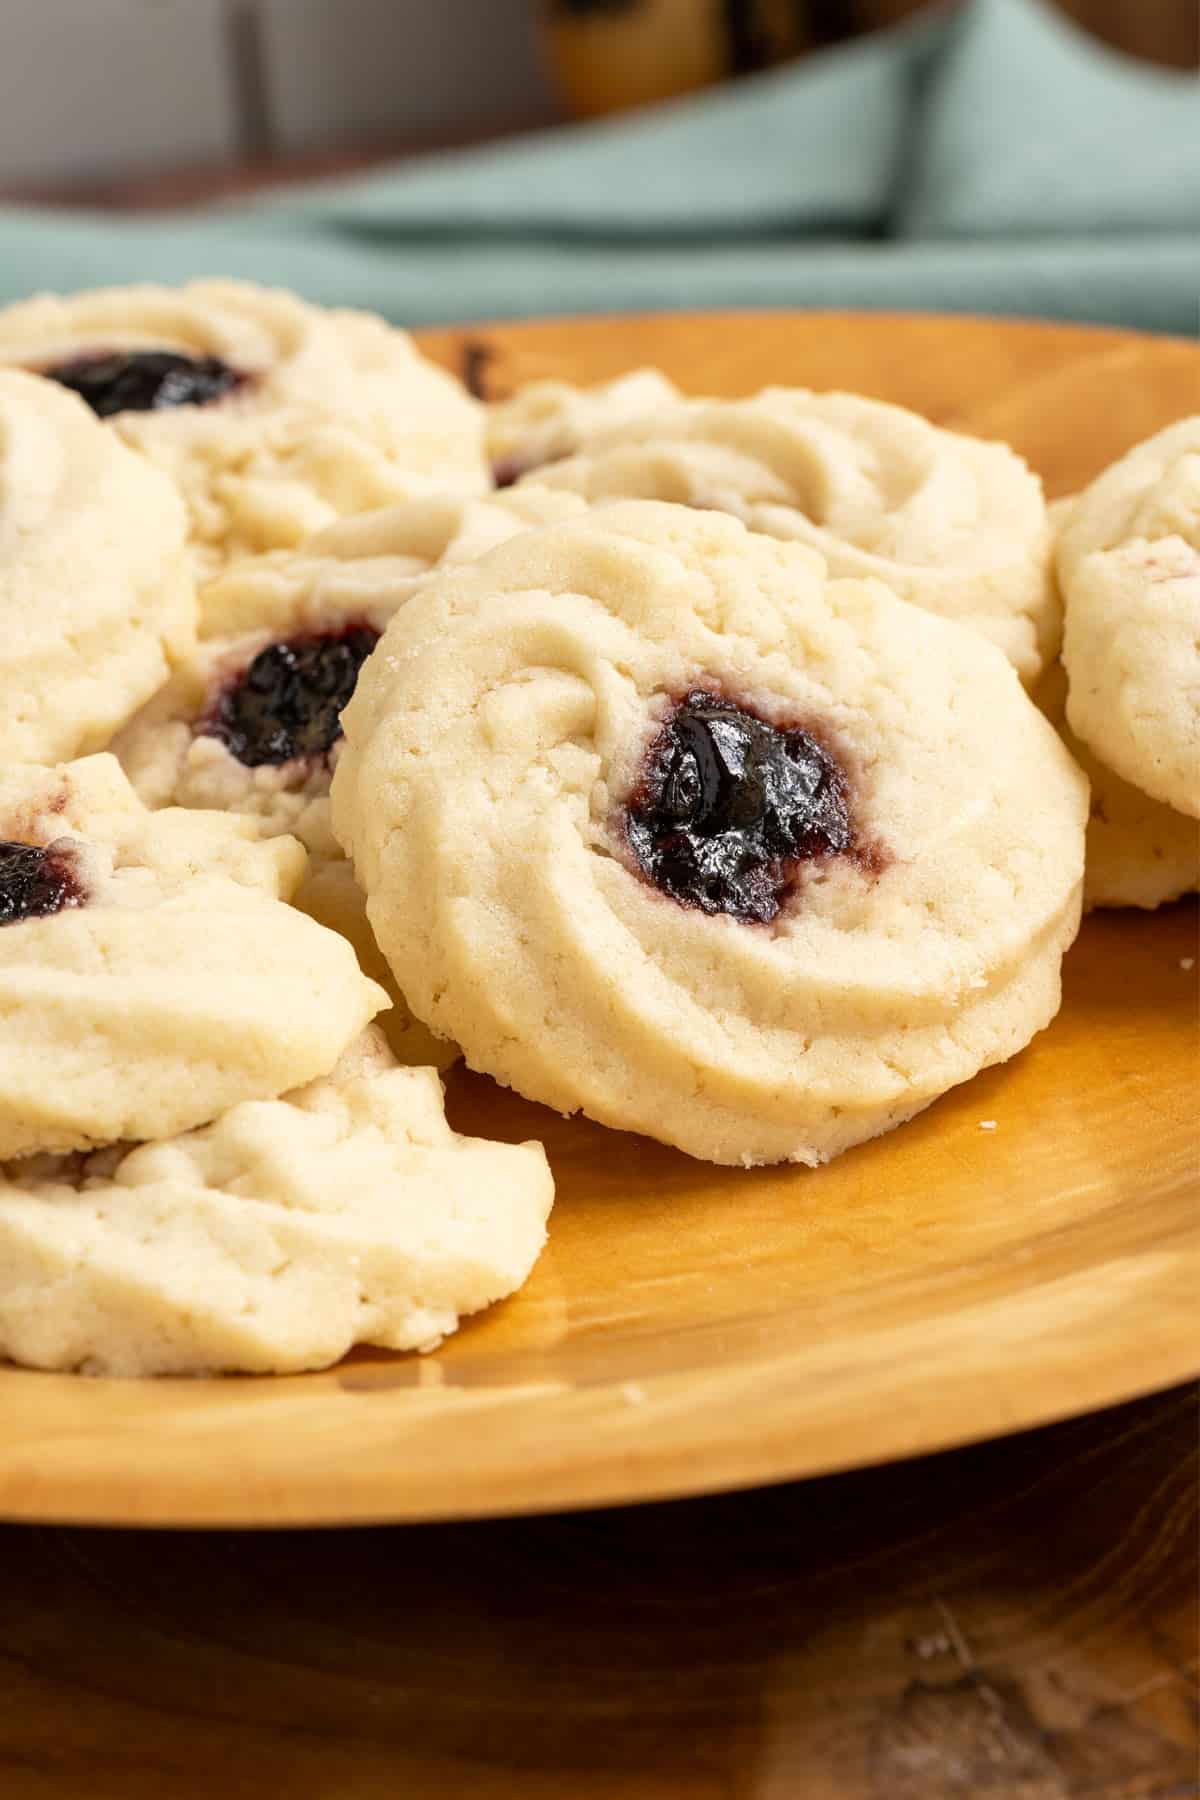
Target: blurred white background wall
point(92, 89)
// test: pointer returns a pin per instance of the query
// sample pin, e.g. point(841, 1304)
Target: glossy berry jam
point(729, 806)
point(289, 701)
point(35, 882)
point(508, 471)
point(145, 380)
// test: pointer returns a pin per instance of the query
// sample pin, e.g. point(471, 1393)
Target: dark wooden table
point(1015, 1621)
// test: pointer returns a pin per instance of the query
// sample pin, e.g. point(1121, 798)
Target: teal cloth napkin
point(961, 162)
point(1030, 127)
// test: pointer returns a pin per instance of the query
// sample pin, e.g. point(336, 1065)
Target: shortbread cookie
point(275, 1239)
point(1139, 852)
point(250, 722)
point(96, 588)
point(370, 565)
point(1129, 562)
point(952, 523)
point(150, 975)
point(272, 417)
point(663, 824)
point(547, 420)
point(1152, 492)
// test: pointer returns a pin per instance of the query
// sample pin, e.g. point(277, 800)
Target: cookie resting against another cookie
point(665, 825)
point(1129, 562)
point(275, 1239)
point(547, 420)
point(955, 524)
point(250, 722)
point(96, 590)
point(271, 416)
point(150, 973)
point(1139, 852)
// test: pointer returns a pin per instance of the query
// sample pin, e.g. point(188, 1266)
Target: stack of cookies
point(672, 761)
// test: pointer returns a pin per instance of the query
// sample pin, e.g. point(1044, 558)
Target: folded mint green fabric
point(1032, 127)
point(881, 174)
point(1152, 285)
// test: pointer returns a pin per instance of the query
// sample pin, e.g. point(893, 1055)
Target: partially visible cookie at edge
point(96, 588)
point(1139, 852)
point(150, 973)
point(272, 416)
point(1128, 556)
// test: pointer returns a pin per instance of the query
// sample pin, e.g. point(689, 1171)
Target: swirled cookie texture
point(664, 824)
point(250, 722)
point(952, 523)
point(272, 417)
point(96, 590)
point(150, 974)
point(1129, 561)
point(274, 1239)
point(545, 421)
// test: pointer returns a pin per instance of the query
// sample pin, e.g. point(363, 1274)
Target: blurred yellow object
point(610, 54)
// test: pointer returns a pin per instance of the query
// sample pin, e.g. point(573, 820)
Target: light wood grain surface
point(691, 1329)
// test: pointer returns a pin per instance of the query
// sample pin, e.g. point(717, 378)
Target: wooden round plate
point(689, 1328)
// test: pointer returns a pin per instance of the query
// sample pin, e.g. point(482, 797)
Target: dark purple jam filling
point(728, 808)
point(35, 882)
point(289, 701)
point(145, 380)
point(508, 471)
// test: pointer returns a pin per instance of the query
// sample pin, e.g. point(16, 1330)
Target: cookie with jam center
point(272, 417)
point(664, 824)
point(251, 721)
point(150, 973)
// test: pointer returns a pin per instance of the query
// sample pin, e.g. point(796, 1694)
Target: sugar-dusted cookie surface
point(665, 825)
point(547, 420)
point(150, 975)
point(250, 721)
point(1129, 562)
point(96, 591)
point(272, 1240)
point(955, 524)
point(272, 417)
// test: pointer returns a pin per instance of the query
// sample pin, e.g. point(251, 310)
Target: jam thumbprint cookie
point(251, 721)
point(150, 973)
point(271, 416)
